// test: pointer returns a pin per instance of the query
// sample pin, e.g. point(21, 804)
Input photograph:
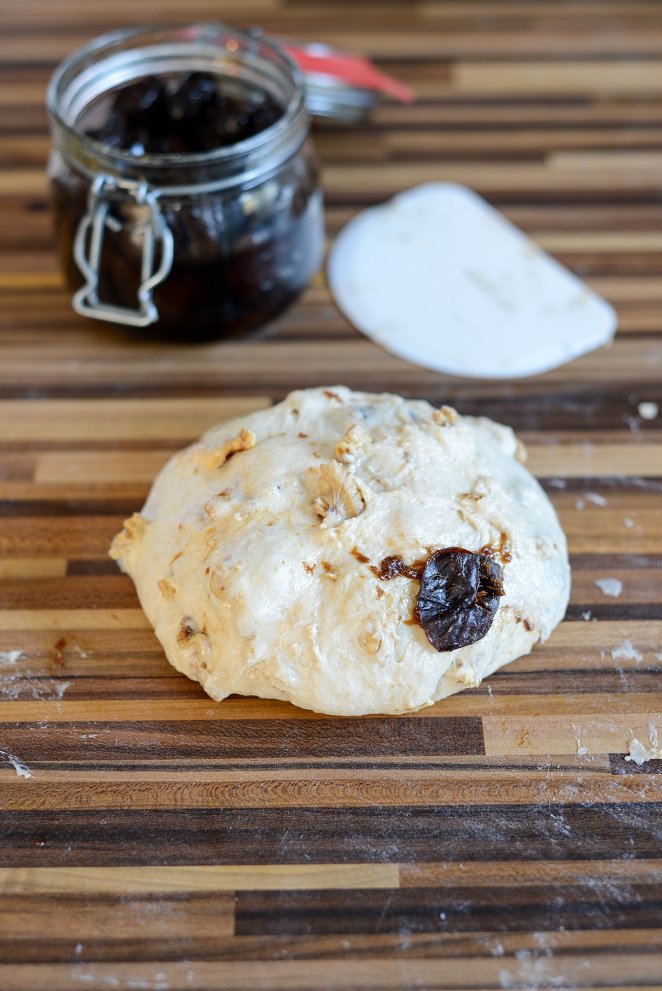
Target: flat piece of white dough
point(439, 277)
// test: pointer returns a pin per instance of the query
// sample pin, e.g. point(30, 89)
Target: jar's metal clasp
point(88, 246)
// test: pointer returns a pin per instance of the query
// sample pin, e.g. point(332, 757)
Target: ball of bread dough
point(258, 554)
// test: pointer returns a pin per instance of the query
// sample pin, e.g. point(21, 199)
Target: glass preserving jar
point(194, 245)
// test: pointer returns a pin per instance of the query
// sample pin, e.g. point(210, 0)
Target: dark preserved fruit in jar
point(187, 201)
point(177, 114)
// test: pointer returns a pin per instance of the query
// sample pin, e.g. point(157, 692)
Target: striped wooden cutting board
point(153, 839)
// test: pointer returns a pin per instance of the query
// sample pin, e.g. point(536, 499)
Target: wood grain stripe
point(423, 909)
point(366, 974)
point(543, 831)
point(58, 420)
point(72, 619)
point(319, 789)
point(462, 706)
point(145, 880)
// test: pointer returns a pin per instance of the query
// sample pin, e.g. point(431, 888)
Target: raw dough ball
point(253, 554)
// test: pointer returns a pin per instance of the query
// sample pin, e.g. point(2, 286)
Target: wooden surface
point(498, 840)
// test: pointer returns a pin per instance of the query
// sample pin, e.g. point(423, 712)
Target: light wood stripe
point(27, 567)
point(488, 179)
point(644, 706)
point(507, 79)
point(61, 420)
point(258, 877)
point(98, 467)
point(303, 790)
point(377, 974)
point(144, 880)
point(72, 619)
point(547, 734)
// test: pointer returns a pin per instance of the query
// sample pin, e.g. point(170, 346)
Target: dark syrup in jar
point(240, 255)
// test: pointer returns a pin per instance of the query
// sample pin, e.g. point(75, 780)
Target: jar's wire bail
point(88, 247)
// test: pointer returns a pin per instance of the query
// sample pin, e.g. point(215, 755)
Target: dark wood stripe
point(262, 738)
point(101, 506)
point(629, 612)
point(596, 906)
point(619, 765)
point(168, 684)
point(289, 836)
point(196, 935)
point(78, 592)
point(100, 566)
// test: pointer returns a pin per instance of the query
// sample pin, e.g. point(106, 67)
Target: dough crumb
point(10, 657)
point(581, 749)
point(648, 411)
point(354, 443)
point(167, 589)
point(610, 586)
point(133, 530)
point(22, 769)
point(445, 416)
point(217, 457)
point(639, 754)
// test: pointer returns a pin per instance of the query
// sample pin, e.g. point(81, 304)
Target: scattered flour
point(595, 498)
point(587, 615)
point(628, 522)
point(557, 483)
point(626, 651)
point(18, 683)
point(22, 769)
point(581, 749)
point(9, 657)
point(532, 970)
point(610, 586)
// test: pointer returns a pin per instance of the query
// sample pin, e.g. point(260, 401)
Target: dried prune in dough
point(458, 597)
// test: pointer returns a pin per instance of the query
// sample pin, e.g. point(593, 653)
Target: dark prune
point(458, 597)
point(181, 114)
point(142, 100)
point(197, 92)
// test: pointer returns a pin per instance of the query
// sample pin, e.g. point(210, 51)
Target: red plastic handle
point(352, 69)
